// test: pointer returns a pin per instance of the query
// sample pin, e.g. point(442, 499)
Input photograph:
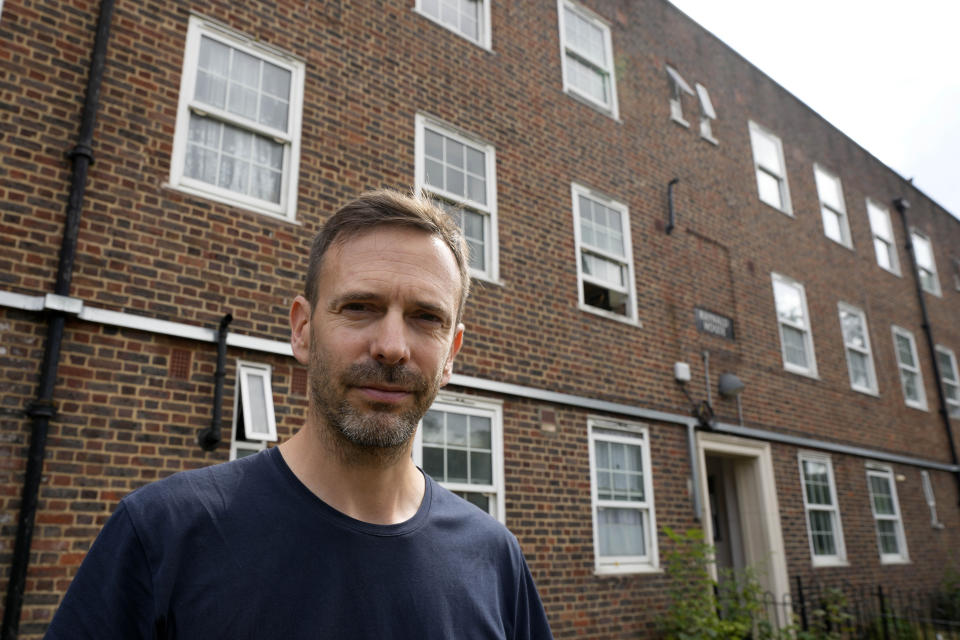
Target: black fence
point(840, 611)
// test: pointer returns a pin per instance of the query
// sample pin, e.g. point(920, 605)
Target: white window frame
point(828, 209)
point(255, 440)
point(489, 210)
point(197, 29)
point(757, 131)
point(879, 235)
point(886, 472)
point(921, 402)
point(707, 114)
point(931, 498)
point(823, 560)
point(931, 269)
point(680, 87)
point(804, 327)
point(577, 190)
point(953, 405)
point(607, 70)
point(472, 406)
point(866, 351)
point(634, 434)
point(956, 273)
point(484, 39)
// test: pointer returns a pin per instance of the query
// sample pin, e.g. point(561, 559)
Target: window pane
point(828, 188)
point(477, 499)
point(584, 36)
point(910, 388)
point(881, 495)
point(831, 224)
point(859, 372)
point(789, 303)
point(817, 482)
point(880, 222)
point(904, 350)
point(433, 427)
point(457, 466)
point(853, 333)
point(769, 187)
point(768, 153)
point(924, 253)
point(887, 536)
point(456, 429)
point(621, 532)
point(607, 271)
point(822, 533)
point(481, 468)
point(586, 79)
point(794, 346)
point(884, 253)
point(433, 462)
point(258, 420)
point(479, 432)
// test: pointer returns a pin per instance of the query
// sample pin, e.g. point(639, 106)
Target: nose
point(389, 343)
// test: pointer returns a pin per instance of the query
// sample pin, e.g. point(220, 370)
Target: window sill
point(609, 315)
point(867, 392)
point(918, 407)
point(710, 139)
point(680, 121)
point(845, 245)
point(622, 570)
point(897, 560)
point(801, 372)
point(826, 564)
point(787, 212)
point(198, 193)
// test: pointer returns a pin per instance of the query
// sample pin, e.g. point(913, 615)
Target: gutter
point(902, 205)
point(42, 410)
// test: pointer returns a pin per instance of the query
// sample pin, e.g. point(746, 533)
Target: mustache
point(373, 372)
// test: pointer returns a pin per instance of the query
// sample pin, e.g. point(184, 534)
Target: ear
point(454, 349)
point(300, 329)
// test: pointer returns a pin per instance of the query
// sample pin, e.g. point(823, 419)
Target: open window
point(254, 420)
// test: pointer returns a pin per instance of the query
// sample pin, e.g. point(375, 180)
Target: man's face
point(382, 337)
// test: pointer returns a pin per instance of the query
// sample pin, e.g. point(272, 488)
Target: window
point(604, 255)
point(459, 172)
point(237, 137)
point(587, 56)
point(947, 363)
point(883, 242)
point(931, 499)
point(856, 343)
point(956, 273)
point(770, 168)
point(832, 209)
point(707, 114)
point(886, 514)
point(468, 18)
point(911, 380)
point(459, 445)
point(823, 512)
point(926, 267)
point(680, 87)
point(254, 421)
point(624, 527)
point(796, 340)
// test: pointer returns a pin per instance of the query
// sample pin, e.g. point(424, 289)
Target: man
point(335, 533)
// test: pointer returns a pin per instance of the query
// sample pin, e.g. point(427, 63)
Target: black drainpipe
point(42, 409)
point(902, 205)
point(209, 437)
point(671, 219)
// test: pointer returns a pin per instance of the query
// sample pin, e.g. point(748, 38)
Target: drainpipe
point(902, 205)
point(42, 410)
point(209, 437)
point(670, 221)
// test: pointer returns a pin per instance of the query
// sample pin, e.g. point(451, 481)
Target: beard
point(378, 429)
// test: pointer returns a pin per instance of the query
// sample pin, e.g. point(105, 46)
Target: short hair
point(388, 208)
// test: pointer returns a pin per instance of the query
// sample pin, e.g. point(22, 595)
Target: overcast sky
point(886, 73)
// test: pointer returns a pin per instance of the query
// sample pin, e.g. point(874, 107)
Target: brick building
point(636, 196)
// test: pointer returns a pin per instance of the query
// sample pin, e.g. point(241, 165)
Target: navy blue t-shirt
point(245, 550)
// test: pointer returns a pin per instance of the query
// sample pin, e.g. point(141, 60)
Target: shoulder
point(473, 524)
point(208, 490)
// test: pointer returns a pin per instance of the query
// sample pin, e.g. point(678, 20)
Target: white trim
point(886, 472)
point(707, 114)
point(840, 211)
point(676, 104)
point(778, 173)
point(608, 70)
point(245, 371)
point(21, 301)
point(931, 269)
point(491, 408)
point(824, 560)
point(197, 29)
point(804, 327)
point(576, 191)
point(488, 211)
point(931, 499)
point(921, 401)
point(875, 210)
point(866, 351)
point(953, 405)
point(485, 30)
point(635, 435)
